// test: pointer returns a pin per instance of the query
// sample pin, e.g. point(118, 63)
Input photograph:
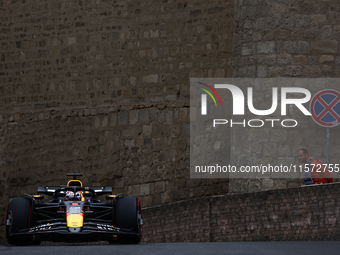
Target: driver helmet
point(69, 195)
point(78, 195)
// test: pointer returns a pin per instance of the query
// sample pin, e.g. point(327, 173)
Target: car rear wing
point(97, 190)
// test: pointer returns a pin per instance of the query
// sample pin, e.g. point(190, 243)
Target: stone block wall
point(102, 87)
point(291, 39)
point(286, 38)
point(295, 214)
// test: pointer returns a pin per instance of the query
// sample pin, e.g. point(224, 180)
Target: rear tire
point(19, 216)
point(129, 215)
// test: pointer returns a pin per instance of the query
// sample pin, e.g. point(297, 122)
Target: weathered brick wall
point(306, 213)
point(284, 38)
point(102, 87)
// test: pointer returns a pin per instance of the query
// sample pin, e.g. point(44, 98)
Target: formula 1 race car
point(74, 214)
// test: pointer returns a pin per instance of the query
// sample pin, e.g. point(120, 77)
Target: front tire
point(129, 215)
point(18, 217)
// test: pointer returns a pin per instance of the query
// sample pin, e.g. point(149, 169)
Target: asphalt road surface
point(253, 248)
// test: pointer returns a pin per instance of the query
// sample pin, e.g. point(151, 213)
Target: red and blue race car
point(74, 213)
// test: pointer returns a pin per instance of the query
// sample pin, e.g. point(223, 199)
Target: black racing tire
point(19, 216)
point(129, 215)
